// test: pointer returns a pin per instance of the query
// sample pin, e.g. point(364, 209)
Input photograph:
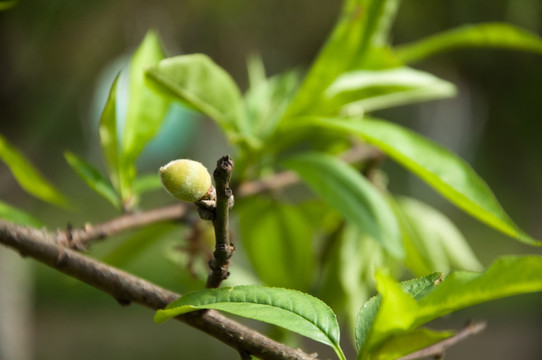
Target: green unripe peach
point(185, 179)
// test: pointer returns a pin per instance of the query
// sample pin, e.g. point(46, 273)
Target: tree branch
point(220, 263)
point(82, 237)
point(441, 347)
point(126, 288)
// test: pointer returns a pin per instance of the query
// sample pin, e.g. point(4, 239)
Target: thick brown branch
point(440, 347)
point(223, 249)
point(46, 248)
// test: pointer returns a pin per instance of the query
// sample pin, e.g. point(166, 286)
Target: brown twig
point(80, 238)
point(220, 263)
point(126, 288)
point(440, 347)
point(288, 178)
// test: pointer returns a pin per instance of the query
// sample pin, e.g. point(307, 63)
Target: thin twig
point(126, 288)
point(223, 248)
point(441, 347)
point(288, 178)
point(80, 238)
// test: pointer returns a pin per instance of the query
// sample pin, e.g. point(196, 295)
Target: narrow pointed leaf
point(93, 178)
point(439, 167)
point(200, 83)
point(488, 35)
point(361, 23)
point(362, 91)
point(108, 135)
point(17, 216)
point(146, 110)
point(28, 177)
point(350, 194)
point(290, 309)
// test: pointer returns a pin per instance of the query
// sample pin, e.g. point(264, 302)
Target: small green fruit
point(185, 179)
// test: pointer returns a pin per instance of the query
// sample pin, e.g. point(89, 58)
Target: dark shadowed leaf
point(93, 178)
point(278, 241)
point(352, 195)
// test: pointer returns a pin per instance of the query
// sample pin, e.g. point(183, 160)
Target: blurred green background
point(58, 59)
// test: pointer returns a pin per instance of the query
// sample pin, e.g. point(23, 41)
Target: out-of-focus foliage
point(301, 120)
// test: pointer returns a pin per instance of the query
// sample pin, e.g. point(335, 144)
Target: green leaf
point(108, 136)
point(17, 216)
point(368, 312)
point(93, 178)
point(507, 276)
point(403, 344)
point(439, 167)
point(28, 176)
point(290, 309)
point(278, 241)
point(198, 82)
point(490, 35)
point(401, 312)
point(8, 4)
point(352, 195)
point(363, 91)
point(362, 23)
point(146, 183)
point(267, 99)
point(145, 113)
point(437, 243)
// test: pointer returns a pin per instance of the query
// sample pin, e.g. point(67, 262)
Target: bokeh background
point(58, 58)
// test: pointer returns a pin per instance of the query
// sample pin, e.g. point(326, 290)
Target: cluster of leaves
point(288, 121)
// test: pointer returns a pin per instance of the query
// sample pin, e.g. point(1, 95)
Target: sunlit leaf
point(361, 91)
point(146, 110)
point(28, 176)
point(439, 167)
point(17, 216)
point(362, 23)
point(400, 312)
point(278, 241)
point(489, 35)
point(93, 178)
point(406, 343)
point(198, 82)
point(290, 309)
point(368, 312)
point(507, 276)
point(352, 195)
point(435, 239)
point(108, 135)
